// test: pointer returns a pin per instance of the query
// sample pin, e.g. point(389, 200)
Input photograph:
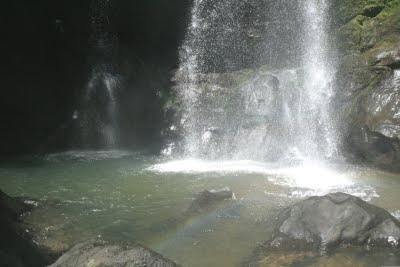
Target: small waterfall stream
point(99, 120)
point(275, 110)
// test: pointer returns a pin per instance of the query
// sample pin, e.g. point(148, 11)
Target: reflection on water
point(88, 155)
point(130, 196)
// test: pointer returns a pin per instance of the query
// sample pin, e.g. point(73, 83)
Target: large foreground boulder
point(102, 253)
point(326, 222)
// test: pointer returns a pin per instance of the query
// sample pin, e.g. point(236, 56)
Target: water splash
point(308, 178)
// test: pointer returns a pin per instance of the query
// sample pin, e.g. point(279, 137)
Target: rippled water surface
point(121, 195)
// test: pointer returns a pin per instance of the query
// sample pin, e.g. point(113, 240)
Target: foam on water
point(396, 214)
point(193, 166)
point(308, 178)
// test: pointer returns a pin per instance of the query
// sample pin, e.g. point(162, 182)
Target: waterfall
point(99, 105)
point(256, 82)
point(321, 140)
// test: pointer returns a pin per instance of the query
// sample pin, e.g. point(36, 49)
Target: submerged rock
point(102, 253)
point(206, 200)
point(16, 246)
point(324, 223)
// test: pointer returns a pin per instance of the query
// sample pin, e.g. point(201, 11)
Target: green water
point(118, 195)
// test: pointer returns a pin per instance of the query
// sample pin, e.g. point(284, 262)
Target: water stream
point(99, 102)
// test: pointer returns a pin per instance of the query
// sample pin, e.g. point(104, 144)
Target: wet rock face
point(102, 253)
point(250, 99)
point(368, 79)
point(374, 122)
point(247, 38)
point(375, 148)
point(382, 107)
point(324, 223)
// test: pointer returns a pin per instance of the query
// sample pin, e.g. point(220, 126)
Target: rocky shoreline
point(306, 230)
point(368, 38)
point(17, 247)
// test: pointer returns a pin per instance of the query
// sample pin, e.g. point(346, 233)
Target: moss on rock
point(368, 35)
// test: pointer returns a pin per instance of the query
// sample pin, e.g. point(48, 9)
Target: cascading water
point(256, 88)
point(320, 136)
point(99, 120)
point(233, 110)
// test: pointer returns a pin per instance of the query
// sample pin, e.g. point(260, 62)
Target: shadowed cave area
point(48, 56)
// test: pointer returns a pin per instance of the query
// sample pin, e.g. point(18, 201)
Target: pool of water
point(123, 195)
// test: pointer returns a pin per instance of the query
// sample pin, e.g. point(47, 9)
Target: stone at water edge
point(16, 246)
point(320, 223)
point(102, 253)
point(12, 206)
